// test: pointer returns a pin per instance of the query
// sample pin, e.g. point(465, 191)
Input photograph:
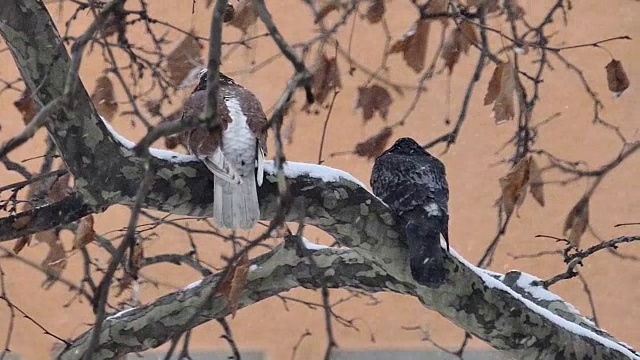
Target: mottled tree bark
point(497, 309)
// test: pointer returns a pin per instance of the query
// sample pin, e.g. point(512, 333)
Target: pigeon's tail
point(426, 256)
point(235, 206)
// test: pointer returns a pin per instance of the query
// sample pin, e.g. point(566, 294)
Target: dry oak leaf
point(26, 106)
point(513, 9)
point(524, 176)
point(84, 233)
point(535, 182)
point(616, 77)
point(375, 145)
point(60, 188)
point(501, 91)
point(490, 5)
point(375, 11)
point(326, 7)
point(55, 261)
point(458, 40)
point(577, 221)
point(245, 16)
point(372, 99)
point(103, 98)
point(182, 59)
point(515, 185)
point(326, 77)
point(235, 281)
point(438, 7)
point(413, 45)
point(115, 24)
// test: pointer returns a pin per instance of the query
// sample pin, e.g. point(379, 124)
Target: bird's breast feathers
point(238, 140)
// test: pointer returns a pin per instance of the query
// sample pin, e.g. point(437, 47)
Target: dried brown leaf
point(514, 186)
point(48, 237)
point(115, 24)
point(21, 222)
point(235, 282)
point(372, 99)
point(535, 180)
point(375, 11)
point(500, 91)
point(55, 261)
point(59, 189)
point(182, 59)
point(229, 13)
point(413, 45)
point(451, 49)
point(326, 77)
point(490, 5)
point(438, 7)
point(577, 221)
point(245, 16)
point(468, 36)
point(103, 98)
point(21, 243)
point(375, 145)
point(123, 284)
point(513, 9)
point(616, 77)
point(84, 233)
point(26, 106)
point(326, 7)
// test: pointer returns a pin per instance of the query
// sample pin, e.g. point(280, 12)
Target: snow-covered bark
point(506, 311)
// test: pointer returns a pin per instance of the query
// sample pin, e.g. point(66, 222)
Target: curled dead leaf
point(535, 180)
point(235, 282)
point(375, 145)
point(60, 188)
point(26, 106)
point(514, 186)
point(326, 7)
point(54, 263)
point(451, 48)
point(115, 24)
point(375, 11)
point(182, 59)
point(513, 9)
point(577, 221)
point(21, 243)
point(84, 233)
point(437, 7)
point(372, 99)
point(501, 91)
point(103, 98)
point(326, 77)
point(490, 5)
point(413, 45)
point(229, 13)
point(245, 16)
point(21, 222)
point(617, 79)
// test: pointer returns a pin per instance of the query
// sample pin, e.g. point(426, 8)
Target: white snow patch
point(526, 281)
point(192, 285)
point(253, 267)
point(162, 154)
point(327, 174)
point(313, 246)
point(117, 315)
point(568, 325)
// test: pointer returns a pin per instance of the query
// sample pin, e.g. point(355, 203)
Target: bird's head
point(202, 85)
point(406, 146)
